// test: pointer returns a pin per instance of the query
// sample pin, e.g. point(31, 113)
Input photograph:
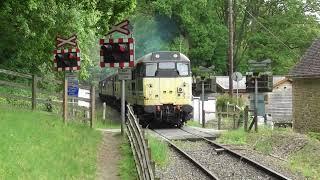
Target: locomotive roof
point(167, 56)
point(151, 58)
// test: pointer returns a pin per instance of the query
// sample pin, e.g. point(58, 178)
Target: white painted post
point(104, 111)
point(237, 93)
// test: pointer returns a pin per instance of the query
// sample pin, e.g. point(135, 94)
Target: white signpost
point(125, 74)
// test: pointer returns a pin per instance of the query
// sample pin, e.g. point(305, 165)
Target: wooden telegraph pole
point(230, 54)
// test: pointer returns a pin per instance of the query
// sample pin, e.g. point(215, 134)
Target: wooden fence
point(139, 145)
point(29, 82)
point(231, 120)
point(26, 77)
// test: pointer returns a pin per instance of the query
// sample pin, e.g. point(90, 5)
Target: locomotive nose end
point(187, 108)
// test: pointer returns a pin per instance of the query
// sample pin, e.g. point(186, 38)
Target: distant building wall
point(279, 103)
point(209, 106)
point(306, 105)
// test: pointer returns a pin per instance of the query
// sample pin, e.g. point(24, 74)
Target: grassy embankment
point(37, 145)
point(304, 159)
point(127, 165)
point(159, 153)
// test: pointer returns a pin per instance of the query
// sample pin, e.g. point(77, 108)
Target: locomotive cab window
point(167, 65)
point(183, 69)
point(151, 69)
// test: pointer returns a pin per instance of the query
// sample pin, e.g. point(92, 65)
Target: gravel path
point(223, 165)
point(179, 168)
point(109, 156)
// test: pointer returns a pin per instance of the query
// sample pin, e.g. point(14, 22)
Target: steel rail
point(246, 159)
point(187, 156)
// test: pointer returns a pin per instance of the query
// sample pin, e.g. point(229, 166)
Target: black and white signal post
point(67, 60)
point(119, 53)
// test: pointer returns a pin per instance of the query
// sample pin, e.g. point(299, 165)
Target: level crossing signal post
point(67, 60)
point(119, 53)
point(258, 80)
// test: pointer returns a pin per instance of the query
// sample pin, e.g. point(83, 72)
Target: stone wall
point(306, 105)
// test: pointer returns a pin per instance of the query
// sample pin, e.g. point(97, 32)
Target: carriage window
point(183, 69)
point(151, 69)
point(167, 65)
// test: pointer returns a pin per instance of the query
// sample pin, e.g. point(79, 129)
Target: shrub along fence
point(229, 119)
point(139, 145)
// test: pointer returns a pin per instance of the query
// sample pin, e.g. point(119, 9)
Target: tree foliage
point(28, 30)
point(279, 30)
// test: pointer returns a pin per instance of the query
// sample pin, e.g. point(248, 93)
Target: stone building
point(306, 91)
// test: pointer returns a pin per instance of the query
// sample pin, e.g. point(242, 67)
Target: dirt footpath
point(109, 156)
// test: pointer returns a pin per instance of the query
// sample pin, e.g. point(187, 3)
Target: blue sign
point(73, 91)
point(73, 86)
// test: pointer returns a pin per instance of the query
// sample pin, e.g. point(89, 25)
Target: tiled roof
point(309, 64)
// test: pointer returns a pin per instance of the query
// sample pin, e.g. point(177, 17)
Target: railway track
point(219, 162)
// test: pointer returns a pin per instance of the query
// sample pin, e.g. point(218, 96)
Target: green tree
point(278, 30)
point(28, 30)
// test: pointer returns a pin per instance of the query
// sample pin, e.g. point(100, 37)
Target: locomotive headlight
point(180, 90)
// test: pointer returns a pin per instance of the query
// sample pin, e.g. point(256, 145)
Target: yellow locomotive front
point(163, 87)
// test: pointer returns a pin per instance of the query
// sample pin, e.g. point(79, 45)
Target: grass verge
point(302, 151)
point(37, 145)
point(193, 123)
point(127, 165)
point(108, 124)
point(159, 151)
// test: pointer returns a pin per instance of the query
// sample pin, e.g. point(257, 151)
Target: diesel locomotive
point(160, 90)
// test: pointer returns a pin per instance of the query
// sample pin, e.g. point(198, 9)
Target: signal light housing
point(67, 59)
point(265, 83)
point(117, 52)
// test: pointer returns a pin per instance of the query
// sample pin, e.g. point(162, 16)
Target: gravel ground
point(223, 165)
point(277, 163)
point(179, 168)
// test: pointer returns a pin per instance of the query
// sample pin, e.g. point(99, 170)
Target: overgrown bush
point(223, 100)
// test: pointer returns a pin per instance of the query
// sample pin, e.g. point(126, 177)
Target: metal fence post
point(256, 120)
point(203, 112)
